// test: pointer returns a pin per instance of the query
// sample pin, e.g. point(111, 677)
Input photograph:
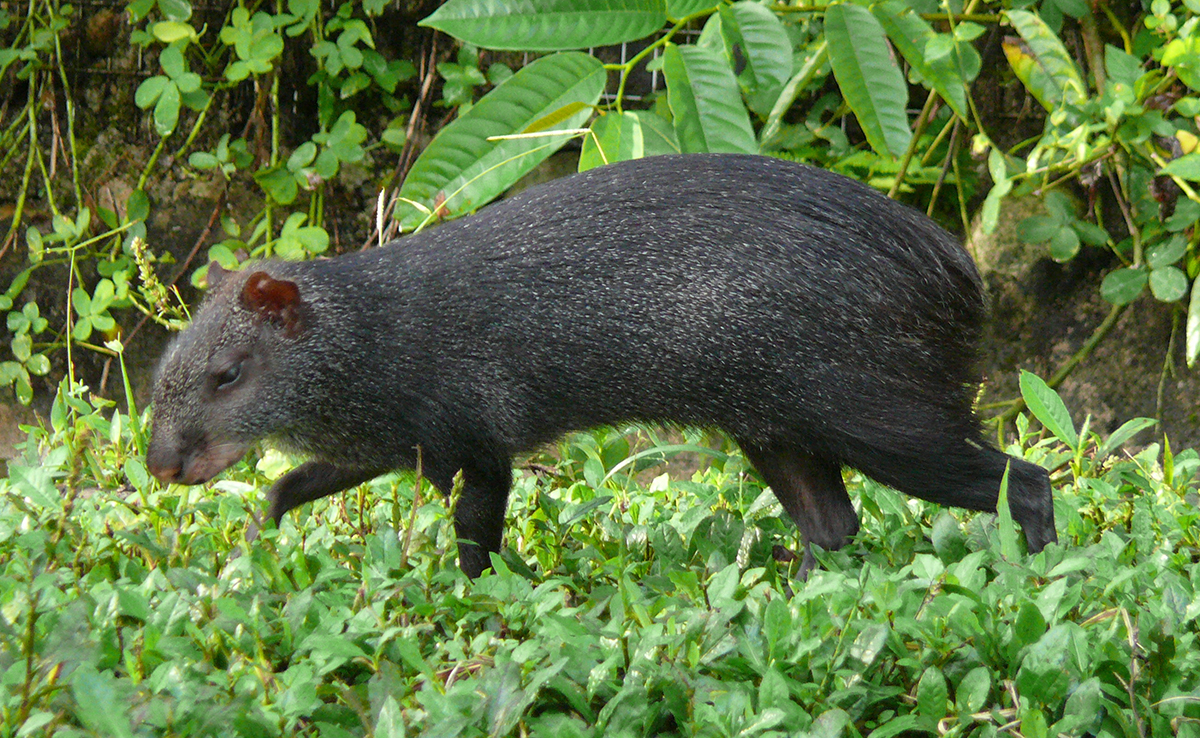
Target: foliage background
point(619, 607)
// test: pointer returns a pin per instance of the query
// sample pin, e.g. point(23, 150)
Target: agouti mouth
point(213, 459)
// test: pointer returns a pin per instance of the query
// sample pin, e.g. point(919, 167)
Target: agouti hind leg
point(813, 493)
point(479, 515)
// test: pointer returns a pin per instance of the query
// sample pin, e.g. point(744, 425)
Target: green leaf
point(1083, 711)
point(658, 135)
point(34, 245)
point(22, 347)
point(279, 183)
point(1064, 245)
point(1045, 676)
point(100, 703)
point(679, 9)
point(38, 364)
point(932, 695)
point(547, 25)
point(1037, 229)
point(390, 723)
point(1185, 167)
point(1048, 408)
point(1042, 62)
point(169, 32)
point(137, 207)
point(1030, 624)
point(1122, 286)
point(302, 157)
point(171, 60)
point(464, 167)
point(149, 91)
point(1117, 438)
point(166, 110)
point(1168, 284)
point(901, 725)
point(971, 694)
point(1006, 528)
point(766, 51)
point(188, 82)
point(1121, 67)
point(989, 214)
point(1090, 232)
point(914, 39)
point(615, 137)
point(176, 10)
point(1192, 331)
point(705, 102)
point(869, 78)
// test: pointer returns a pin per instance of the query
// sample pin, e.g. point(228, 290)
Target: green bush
point(618, 607)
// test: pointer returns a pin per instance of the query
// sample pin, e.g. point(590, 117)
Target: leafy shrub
point(618, 608)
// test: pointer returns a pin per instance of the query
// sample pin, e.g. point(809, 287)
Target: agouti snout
point(814, 320)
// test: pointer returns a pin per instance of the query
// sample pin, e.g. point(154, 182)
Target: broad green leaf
point(1167, 252)
point(1048, 408)
point(1045, 673)
point(868, 76)
point(166, 110)
point(898, 725)
point(1005, 527)
point(1037, 229)
point(149, 91)
point(932, 695)
point(1121, 67)
point(1185, 167)
point(1168, 284)
point(658, 135)
point(912, 36)
point(972, 691)
point(765, 51)
point(1042, 62)
point(1117, 438)
point(1123, 285)
point(989, 214)
point(171, 31)
point(614, 137)
point(548, 25)
point(1083, 711)
point(814, 63)
point(1193, 325)
point(680, 9)
point(172, 62)
point(100, 701)
point(462, 170)
point(1064, 244)
point(705, 102)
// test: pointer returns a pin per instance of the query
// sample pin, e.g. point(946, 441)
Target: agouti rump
point(817, 322)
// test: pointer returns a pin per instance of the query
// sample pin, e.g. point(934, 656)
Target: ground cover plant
point(621, 606)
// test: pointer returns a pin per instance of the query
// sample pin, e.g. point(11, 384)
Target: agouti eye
point(229, 376)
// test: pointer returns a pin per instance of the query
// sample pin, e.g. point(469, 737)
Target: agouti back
point(814, 320)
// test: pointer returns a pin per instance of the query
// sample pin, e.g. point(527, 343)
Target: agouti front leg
point(310, 481)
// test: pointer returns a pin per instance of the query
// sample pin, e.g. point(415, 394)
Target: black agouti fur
point(816, 321)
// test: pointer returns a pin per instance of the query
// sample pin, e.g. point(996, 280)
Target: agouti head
point(217, 388)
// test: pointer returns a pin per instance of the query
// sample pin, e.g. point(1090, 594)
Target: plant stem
point(922, 121)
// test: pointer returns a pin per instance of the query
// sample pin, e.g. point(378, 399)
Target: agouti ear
point(216, 274)
point(277, 300)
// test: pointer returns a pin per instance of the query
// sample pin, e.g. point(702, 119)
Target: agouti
point(817, 322)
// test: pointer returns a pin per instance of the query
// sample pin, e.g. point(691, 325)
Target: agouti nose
point(164, 473)
point(164, 465)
